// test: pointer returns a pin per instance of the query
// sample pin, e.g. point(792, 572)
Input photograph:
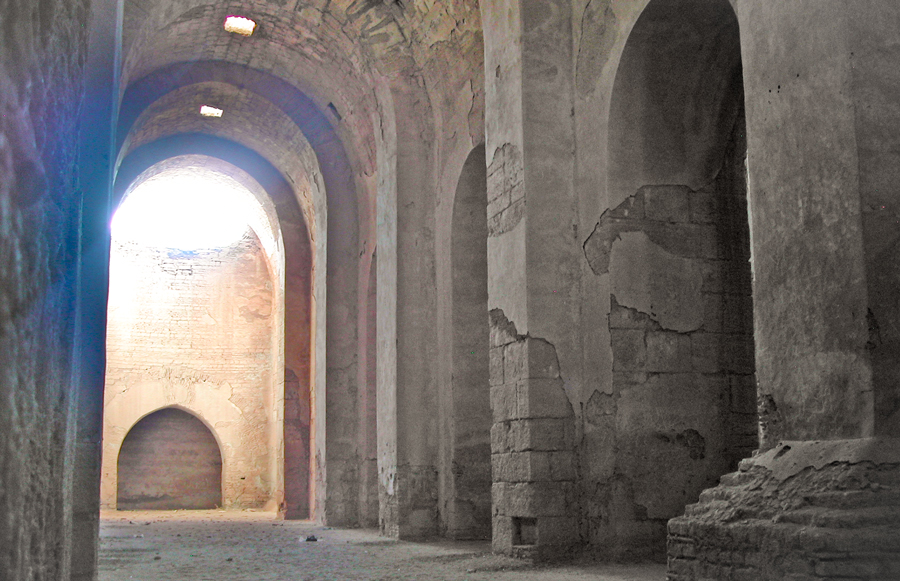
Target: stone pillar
point(96, 170)
point(819, 502)
point(533, 275)
point(96, 157)
point(406, 399)
point(532, 448)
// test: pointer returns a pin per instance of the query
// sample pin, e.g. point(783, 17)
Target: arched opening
point(676, 245)
point(470, 422)
point(331, 209)
point(196, 319)
point(168, 461)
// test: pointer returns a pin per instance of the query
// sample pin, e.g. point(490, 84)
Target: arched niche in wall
point(336, 356)
point(234, 379)
point(675, 243)
point(169, 460)
point(299, 321)
point(469, 502)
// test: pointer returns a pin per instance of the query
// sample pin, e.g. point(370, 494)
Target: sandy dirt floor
point(245, 546)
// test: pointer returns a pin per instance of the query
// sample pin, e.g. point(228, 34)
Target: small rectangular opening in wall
point(208, 111)
point(239, 25)
point(524, 531)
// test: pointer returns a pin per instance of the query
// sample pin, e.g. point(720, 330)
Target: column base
point(801, 511)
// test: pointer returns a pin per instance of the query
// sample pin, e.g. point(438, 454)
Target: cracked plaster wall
point(814, 505)
point(534, 274)
point(666, 293)
point(195, 331)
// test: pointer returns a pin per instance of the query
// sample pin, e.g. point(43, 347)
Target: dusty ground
point(219, 546)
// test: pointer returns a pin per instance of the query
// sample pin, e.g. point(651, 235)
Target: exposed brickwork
point(169, 461)
point(535, 508)
point(195, 329)
point(506, 203)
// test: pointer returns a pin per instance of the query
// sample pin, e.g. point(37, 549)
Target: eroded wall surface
point(41, 66)
point(194, 330)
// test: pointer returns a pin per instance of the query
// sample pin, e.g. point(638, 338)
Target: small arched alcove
point(676, 246)
point(169, 460)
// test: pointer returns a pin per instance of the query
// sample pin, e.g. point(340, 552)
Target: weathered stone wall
point(41, 64)
point(814, 506)
point(195, 329)
point(533, 462)
point(683, 407)
point(672, 251)
point(619, 237)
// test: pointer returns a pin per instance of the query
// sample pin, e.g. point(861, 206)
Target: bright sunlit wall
point(196, 312)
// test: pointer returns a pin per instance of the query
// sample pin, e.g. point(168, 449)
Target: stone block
point(629, 350)
point(539, 499)
point(504, 405)
point(498, 498)
point(503, 470)
point(515, 361)
point(705, 352)
point(496, 366)
point(526, 467)
point(682, 549)
point(530, 359)
point(667, 203)
point(500, 438)
point(542, 360)
point(544, 434)
point(668, 352)
point(852, 569)
point(501, 534)
point(542, 398)
point(549, 466)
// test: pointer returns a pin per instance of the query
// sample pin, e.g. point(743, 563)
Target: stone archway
point(169, 460)
point(675, 244)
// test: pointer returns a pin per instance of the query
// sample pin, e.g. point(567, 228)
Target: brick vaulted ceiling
point(333, 53)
